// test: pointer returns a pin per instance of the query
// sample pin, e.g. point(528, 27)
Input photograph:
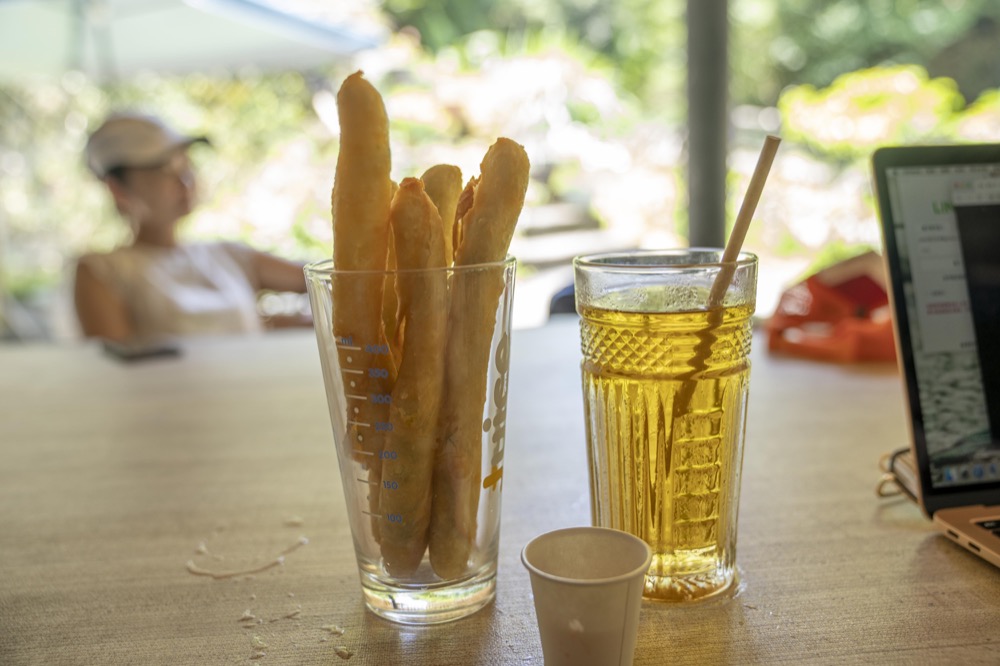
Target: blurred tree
point(863, 110)
point(644, 40)
point(971, 59)
point(777, 43)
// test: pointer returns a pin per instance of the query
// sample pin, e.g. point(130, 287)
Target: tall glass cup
point(415, 364)
point(665, 387)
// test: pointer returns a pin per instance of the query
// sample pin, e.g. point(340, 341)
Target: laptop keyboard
point(991, 525)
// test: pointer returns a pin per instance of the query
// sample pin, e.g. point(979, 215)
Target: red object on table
point(838, 314)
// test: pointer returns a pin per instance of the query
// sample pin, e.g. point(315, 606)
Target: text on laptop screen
point(953, 401)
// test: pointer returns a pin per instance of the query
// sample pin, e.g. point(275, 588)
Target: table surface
point(114, 477)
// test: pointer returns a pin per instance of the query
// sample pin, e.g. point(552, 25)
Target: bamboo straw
point(715, 312)
point(739, 234)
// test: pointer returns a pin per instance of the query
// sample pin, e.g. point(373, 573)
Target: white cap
point(133, 140)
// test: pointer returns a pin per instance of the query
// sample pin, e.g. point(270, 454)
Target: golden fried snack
point(463, 207)
point(486, 228)
point(498, 197)
point(362, 189)
point(361, 196)
point(416, 397)
point(443, 184)
point(390, 304)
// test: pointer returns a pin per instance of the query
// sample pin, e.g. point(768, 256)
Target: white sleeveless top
point(197, 289)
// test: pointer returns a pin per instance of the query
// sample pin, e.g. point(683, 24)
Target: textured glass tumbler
point(416, 365)
point(665, 388)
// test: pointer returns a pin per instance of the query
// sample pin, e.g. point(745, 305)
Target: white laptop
point(939, 208)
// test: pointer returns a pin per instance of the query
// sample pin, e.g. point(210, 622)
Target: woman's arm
point(99, 308)
point(277, 274)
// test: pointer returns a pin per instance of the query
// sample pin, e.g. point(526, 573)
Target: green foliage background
point(811, 58)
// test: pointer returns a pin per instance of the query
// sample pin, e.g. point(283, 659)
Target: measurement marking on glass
point(364, 453)
point(348, 347)
point(353, 372)
point(369, 513)
point(357, 397)
point(360, 424)
point(371, 483)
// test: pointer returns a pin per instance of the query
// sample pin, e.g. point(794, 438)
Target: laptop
point(939, 208)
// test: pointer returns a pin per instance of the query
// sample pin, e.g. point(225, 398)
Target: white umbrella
point(113, 39)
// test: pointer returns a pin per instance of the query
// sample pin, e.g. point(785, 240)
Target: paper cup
point(587, 583)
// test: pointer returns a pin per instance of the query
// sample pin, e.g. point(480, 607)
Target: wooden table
point(113, 477)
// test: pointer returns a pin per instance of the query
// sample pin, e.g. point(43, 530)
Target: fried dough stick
point(485, 230)
point(362, 193)
point(443, 184)
point(390, 304)
point(416, 397)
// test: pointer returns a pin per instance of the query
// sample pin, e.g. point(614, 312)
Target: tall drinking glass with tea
point(666, 375)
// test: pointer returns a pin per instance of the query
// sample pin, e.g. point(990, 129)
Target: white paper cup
point(587, 583)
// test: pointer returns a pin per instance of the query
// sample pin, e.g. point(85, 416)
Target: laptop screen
point(949, 269)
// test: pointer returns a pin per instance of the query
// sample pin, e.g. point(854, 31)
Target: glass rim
point(323, 268)
point(588, 582)
point(617, 260)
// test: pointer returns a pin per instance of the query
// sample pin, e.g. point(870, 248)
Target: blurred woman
point(156, 285)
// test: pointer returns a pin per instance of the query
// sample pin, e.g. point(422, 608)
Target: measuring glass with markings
point(415, 364)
